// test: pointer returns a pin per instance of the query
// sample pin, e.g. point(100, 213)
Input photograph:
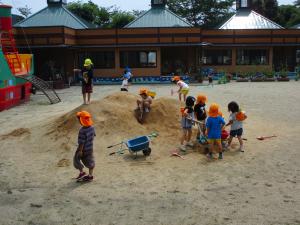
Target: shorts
point(214, 140)
point(186, 129)
point(184, 91)
point(236, 133)
point(87, 88)
point(87, 159)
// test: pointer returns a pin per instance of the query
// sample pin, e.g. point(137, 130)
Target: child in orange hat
point(84, 151)
point(236, 119)
point(200, 113)
point(183, 87)
point(143, 104)
point(214, 126)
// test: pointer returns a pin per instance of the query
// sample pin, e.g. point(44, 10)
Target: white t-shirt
point(182, 84)
point(235, 123)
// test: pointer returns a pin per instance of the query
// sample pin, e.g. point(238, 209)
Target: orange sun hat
point(201, 98)
point(176, 78)
point(85, 118)
point(213, 110)
point(143, 91)
point(241, 116)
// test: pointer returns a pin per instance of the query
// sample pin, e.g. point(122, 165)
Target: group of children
point(211, 124)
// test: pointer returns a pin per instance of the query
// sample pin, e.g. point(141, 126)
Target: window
point(217, 57)
point(138, 59)
point(101, 60)
point(252, 57)
point(298, 57)
point(244, 3)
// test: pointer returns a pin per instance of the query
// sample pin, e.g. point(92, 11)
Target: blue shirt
point(214, 126)
point(86, 137)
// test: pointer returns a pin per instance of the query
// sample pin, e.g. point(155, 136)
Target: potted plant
point(242, 77)
point(257, 77)
point(269, 76)
point(283, 76)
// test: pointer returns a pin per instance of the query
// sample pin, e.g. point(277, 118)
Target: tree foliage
point(110, 17)
point(202, 13)
point(288, 15)
point(25, 11)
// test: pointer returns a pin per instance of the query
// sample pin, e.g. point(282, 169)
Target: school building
point(157, 43)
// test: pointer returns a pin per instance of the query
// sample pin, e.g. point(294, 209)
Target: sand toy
point(261, 138)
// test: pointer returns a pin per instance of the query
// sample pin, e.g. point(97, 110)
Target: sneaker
point(190, 144)
point(81, 174)
point(209, 155)
point(87, 178)
point(182, 148)
point(220, 155)
point(241, 149)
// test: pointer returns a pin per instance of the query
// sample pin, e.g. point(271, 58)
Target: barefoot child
point(214, 126)
point(87, 81)
point(187, 123)
point(236, 119)
point(200, 113)
point(84, 151)
point(183, 87)
point(143, 104)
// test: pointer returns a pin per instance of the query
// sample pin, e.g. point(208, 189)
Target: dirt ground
point(258, 187)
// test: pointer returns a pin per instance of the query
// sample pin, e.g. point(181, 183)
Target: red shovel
point(261, 138)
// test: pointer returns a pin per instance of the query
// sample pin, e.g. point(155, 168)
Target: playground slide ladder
point(44, 87)
point(10, 51)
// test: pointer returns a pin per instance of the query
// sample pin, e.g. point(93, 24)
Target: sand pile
point(114, 120)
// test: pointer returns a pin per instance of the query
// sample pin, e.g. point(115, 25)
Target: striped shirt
point(86, 137)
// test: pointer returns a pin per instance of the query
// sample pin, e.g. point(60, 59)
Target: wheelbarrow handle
point(115, 144)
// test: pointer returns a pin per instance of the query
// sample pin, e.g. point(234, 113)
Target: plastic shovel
point(261, 138)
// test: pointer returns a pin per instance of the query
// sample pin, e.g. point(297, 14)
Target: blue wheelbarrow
point(134, 146)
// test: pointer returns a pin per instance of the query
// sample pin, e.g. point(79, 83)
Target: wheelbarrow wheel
point(147, 152)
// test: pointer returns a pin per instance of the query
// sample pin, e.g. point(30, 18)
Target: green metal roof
point(158, 17)
point(56, 15)
point(249, 19)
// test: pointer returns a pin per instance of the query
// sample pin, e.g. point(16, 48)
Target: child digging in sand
point(214, 126)
point(183, 87)
point(84, 151)
point(143, 104)
point(187, 123)
point(236, 119)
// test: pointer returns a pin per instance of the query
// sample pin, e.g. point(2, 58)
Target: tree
point(271, 9)
point(88, 11)
point(258, 6)
point(25, 11)
point(288, 15)
point(297, 3)
point(202, 13)
point(121, 19)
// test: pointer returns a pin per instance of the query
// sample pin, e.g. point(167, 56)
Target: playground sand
point(260, 186)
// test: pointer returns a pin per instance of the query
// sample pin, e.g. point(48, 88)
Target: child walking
point(236, 119)
point(187, 123)
point(214, 126)
point(183, 87)
point(84, 151)
point(200, 113)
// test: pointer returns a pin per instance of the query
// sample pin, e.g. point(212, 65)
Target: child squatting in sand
point(84, 151)
point(143, 104)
